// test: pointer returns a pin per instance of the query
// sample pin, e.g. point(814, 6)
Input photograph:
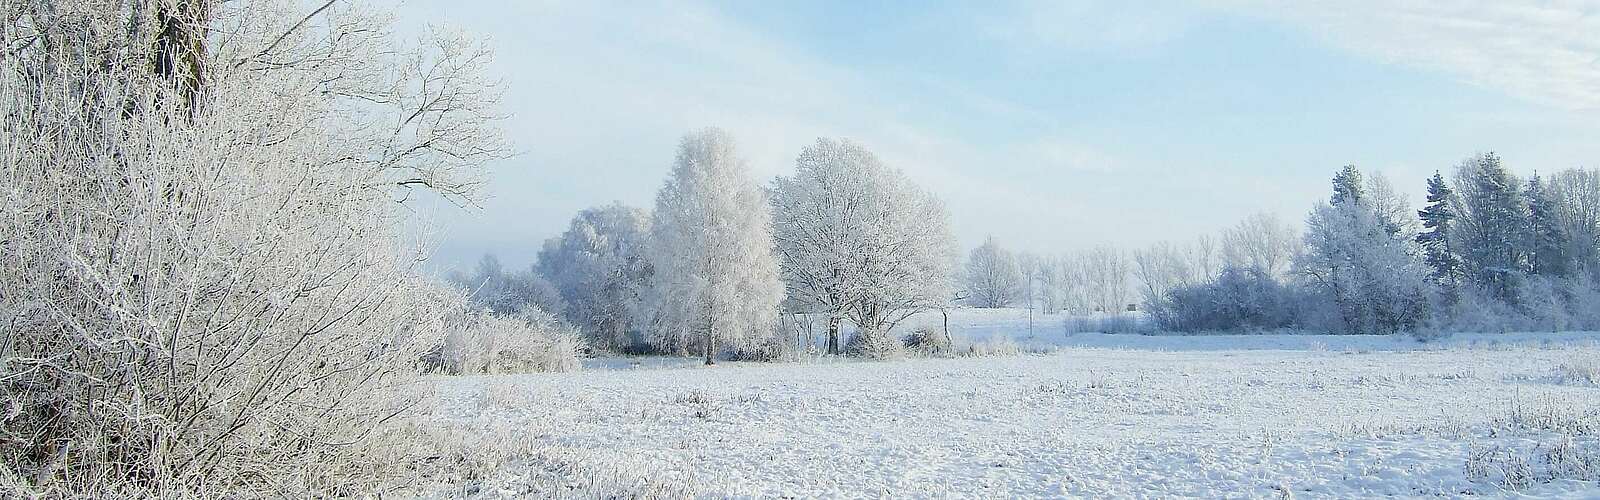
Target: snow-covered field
point(1103, 415)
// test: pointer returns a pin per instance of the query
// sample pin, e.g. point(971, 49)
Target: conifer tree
point(1346, 186)
point(1438, 219)
point(1493, 224)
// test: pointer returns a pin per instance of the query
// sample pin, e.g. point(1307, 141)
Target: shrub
point(204, 284)
point(1579, 370)
point(1239, 299)
point(997, 346)
point(1128, 322)
point(926, 341)
point(869, 344)
point(529, 341)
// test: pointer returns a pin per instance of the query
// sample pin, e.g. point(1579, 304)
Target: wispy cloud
point(1545, 51)
point(1040, 25)
point(600, 92)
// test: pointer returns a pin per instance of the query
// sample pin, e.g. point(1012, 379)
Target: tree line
point(1488, 252)
point(720, 258)
point(849, 240)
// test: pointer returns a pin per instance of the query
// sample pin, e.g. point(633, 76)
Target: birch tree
point(715, 285)
point(1261, 242)
point(1105, 270)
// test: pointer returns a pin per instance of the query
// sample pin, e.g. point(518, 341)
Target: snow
point(1103, 415)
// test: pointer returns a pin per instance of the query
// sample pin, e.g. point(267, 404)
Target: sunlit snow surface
point(1103, 415)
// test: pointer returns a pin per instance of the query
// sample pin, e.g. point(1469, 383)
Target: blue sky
point(1054, 126)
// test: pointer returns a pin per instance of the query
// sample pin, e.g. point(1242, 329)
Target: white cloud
point(1548, 51)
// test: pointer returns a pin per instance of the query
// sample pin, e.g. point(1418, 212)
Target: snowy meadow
point(219, 278)
point(1259, 416)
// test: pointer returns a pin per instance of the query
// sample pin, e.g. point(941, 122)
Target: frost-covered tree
point(1160, 268)
point(1437, 238)
point(992, 278)
point(1577, 192)
point(1050, 284)
point(1028, 267)
point(1492, 225)
point(490, 286)
point(598, 266)
point(1347, 186)
point(1360, 261)
point(206, 290)
point(715, 283)
point(859, 240)
point(1203, 259)
point(1548, 244)
point(1261, 242)
point(1105, 278)
point(1074, 289)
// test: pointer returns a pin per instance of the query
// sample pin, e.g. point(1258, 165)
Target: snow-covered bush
point(927, 341)
point(878, 346)
point(1125, 322)
point(529, 341)
point(994, 346)
point(1239, 300)
point(491, 286)
point(1579, 370)
point(1477, 310)
point(204, 286)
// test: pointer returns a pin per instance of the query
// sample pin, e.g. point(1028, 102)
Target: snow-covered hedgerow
point(529, 341)
point(204, 288)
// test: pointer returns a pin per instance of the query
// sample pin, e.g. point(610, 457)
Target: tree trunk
point(833, 334)
point(180, 47)
point(711, 346)
point(946, 313)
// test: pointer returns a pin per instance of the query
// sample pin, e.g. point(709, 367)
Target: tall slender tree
point(1548, 243)
point(1346, 186)
point(1438, 220)
point(715, 282)
point(1493, 226)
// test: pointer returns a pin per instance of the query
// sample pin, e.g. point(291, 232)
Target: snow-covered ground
point(1104, 415)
